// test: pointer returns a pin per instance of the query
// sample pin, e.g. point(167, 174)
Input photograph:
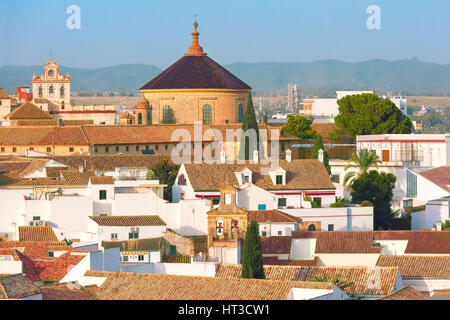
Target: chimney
point(222, 156)
point(255, 156)
point(321, 155)
point(288, 155)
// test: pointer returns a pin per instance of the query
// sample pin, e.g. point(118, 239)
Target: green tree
point(365, 114)
point(166, 172)
point(377, 188)
point(300, 127)
point(252, 262)
point(341, 284)
point(249, 122)
point(318, 144)
point(363, 160)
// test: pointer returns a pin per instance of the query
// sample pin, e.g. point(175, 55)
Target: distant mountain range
point(411, 76)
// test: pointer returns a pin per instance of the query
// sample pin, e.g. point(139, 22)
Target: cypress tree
point(252, 262)
point(318, 144)
point(249, 122)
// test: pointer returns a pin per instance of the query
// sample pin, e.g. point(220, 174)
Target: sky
point(157, 32)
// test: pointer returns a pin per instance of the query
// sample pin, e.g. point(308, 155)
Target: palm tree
point(362, 160)
point(341, 284)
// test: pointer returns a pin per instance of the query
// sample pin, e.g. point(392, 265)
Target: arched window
point(139, 118)
point(51, 90)
point(219, 227)
point(240, 113)
point(312, 227)
point(149, 117)
point(207, 114)
point(167, 115)
point(61, 91)
point(40, 91)
point(181, 180)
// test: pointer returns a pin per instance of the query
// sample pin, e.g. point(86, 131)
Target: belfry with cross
point(226, 226)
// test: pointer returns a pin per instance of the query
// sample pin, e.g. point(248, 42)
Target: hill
point(407, 76)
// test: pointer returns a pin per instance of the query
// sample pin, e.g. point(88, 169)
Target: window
point(156, 147)
point(282, 146)
point(51, 90)
point(167, 115)
point(227, 198)
point(181, 180)
point(35, 218)
point(117, 148)
point(50, 254)
point(331, 227)
point(3, 149)
point(139, 118)
point(279, 179)
point(102, 194)
point(245, 178)
point(31, 149)
point(411, 184)
point(146, 147)
point(61, 92)
point(240, 113)
point(149, 117)
point(137, 148)
point(113, 236)
point(335, 178)
point(312, 227)
point(141, 257)
point(127, 148)
point(49, 149)
point(207, 114)
point(51, 73)
point(133, 235)
point(264, 233)
point(407, 203)
point(281, 202)
point(280, 233)
point(40, 91)
point(96, 149)
point(173, 250)
point(70, 149)
point(318, 200)
point(14, 149)
point(261, 207)
point(215, 201)
point(125, 258)
point(106, 149)
point(166, 147)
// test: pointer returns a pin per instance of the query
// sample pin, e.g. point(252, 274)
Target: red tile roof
point(101, 180)
point(439, 176)
point(28, 111)
point(42, 136)
point(16, 287)
point(125, 221)
point(37, 233)
point(140, 286)
point(414, 266)
point(272, 216)
point(361, 277)
point(406, 293)
point(276, 244)
point(66, 291)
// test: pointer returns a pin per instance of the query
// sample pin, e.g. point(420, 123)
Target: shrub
point(338, 204)
point(366, 203)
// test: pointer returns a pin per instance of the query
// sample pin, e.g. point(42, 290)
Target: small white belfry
point(288, 155)
point(320, 155)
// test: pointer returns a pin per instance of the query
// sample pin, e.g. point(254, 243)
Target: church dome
point(195, 70)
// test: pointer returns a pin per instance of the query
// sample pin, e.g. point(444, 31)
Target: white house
point(286, 185)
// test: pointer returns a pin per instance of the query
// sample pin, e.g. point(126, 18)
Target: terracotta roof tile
point(276, 244)
point(360, 276)
point(101, 180)
point(37, 233)
point(138, 286)
point(300, 175)
point(28, 111)
point(439, 176)
point(406, 293)
point(16, 287)
point(75, 177)
point(272, 216)
point(43, 136)
point(422, 267)
point(4, 94)
point(125, 221)
point(66, 291)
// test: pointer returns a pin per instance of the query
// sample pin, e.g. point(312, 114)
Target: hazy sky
point(158, 31)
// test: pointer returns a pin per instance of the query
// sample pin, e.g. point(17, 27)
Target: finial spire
point(195, 49)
